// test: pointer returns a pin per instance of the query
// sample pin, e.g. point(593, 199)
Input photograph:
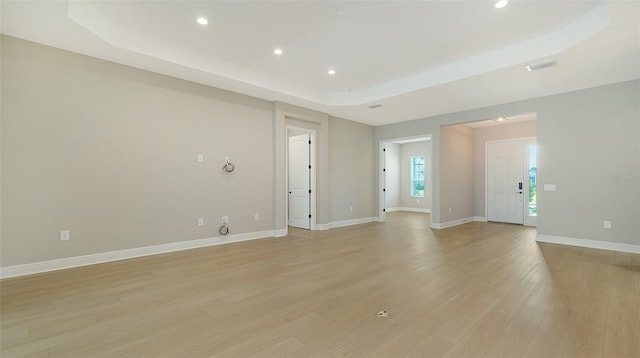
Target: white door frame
point(381, 180)
point(525, 175)
point(312, 199)
point(381, 174)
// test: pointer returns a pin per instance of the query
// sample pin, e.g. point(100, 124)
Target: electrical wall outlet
point(225, 219)
point(200, 158)
point(351, 208)
point(200, 221)
point(65, 235)
point(607, 224)
point(256, 217)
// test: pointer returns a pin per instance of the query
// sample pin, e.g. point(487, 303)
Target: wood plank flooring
point(476, 290)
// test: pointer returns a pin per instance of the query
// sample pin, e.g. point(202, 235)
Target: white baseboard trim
point(481, 219)
point(451, 223)
point(406, 208)
point(603, 245)
point(335, 224)
point(280, 233)
point(76, 261)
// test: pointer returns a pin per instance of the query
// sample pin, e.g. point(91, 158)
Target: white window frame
point(424, 165)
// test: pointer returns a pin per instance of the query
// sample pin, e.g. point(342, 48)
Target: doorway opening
point(505, 156)
point(466, 172)
point(301, 178)
point(405, 175)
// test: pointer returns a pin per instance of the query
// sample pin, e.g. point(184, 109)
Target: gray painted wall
point(593, 128)
point(456, 172)
point(487, 134)
point(588, 147)
point(109, 153)
point(350, 168)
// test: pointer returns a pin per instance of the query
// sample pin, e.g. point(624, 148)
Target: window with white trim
point(417, 176)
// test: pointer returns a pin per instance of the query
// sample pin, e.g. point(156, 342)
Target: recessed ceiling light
point(331, 72)
point(202, 21)
point(374, 106)
point(501, 119)
point(277, 51)
point(500, 4)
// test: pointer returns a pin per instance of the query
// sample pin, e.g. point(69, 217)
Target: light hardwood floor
point(476, 290)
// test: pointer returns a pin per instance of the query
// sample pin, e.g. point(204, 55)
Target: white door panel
point(505, 175)
point(299, 181)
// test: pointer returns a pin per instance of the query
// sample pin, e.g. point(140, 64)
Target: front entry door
point(505, 182)
point(299, 181)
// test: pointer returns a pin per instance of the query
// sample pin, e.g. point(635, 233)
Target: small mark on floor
point(383, 314)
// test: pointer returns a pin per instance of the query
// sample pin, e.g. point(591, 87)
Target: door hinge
point(384, 210)
point(309, 191)
point(384, 149)
point(309, 166)
point(309, 216)
point(309, 141)
point(384, 189)
point(384, 170)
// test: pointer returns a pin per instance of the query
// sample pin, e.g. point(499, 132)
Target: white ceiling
point(416, 59)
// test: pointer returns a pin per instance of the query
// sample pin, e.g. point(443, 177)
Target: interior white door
point(383, 184)
point(505, 182)
point(299, 181)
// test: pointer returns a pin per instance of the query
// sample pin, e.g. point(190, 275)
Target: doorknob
point(289, 192)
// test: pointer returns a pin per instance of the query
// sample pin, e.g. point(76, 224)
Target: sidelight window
point(417, 176)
